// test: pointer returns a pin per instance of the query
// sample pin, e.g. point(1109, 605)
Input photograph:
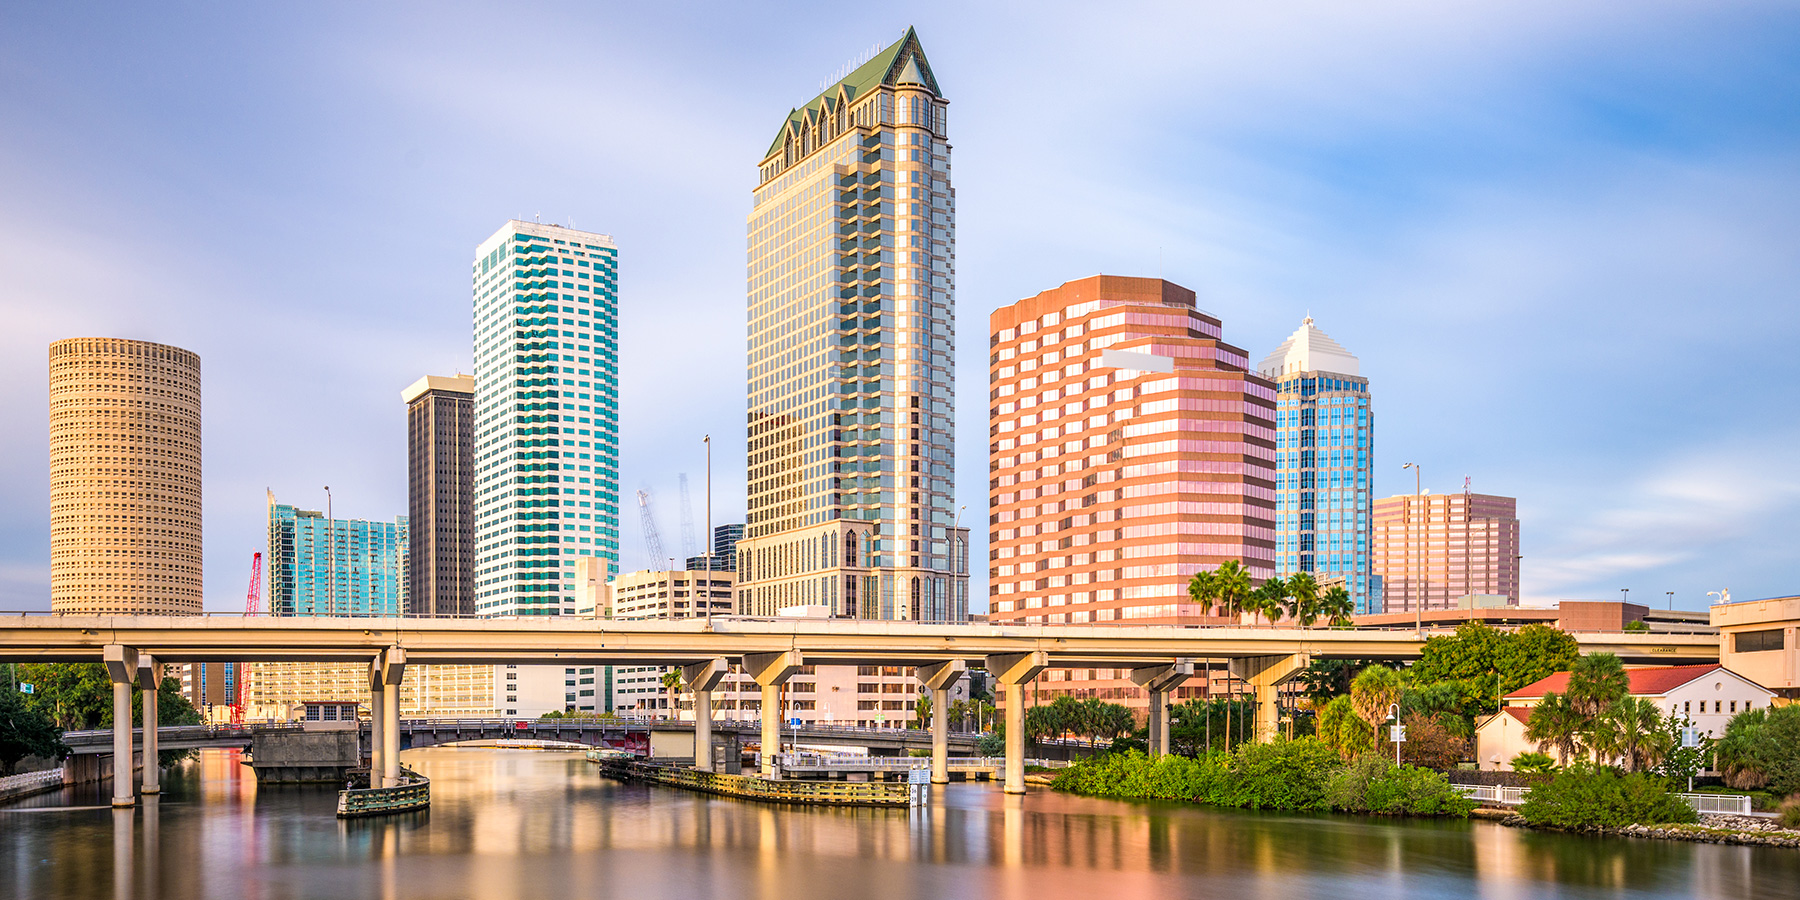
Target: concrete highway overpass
point(771, 651)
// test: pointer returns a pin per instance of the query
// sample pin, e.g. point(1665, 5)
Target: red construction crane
point(252, 606)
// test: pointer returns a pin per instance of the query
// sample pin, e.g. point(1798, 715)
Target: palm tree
point(1267, 600)
point(1335, 605)
point(1631, 731)
point(1374, 693)
point(922, 711)
point(1304, 591)
point(1597, 681)
point(1555, 722)
point(1203, 589)
point(1232, 584)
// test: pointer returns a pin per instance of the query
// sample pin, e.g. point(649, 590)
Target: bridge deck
point(568, 641)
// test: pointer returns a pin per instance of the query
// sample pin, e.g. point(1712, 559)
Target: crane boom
point(652, 540)
point(687, 521)
point(241, 670)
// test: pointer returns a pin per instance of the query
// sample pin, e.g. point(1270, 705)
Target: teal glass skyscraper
point(546, 415)
point(335, 567)
point(1324, 451)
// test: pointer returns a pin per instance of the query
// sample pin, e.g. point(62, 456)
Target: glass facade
point(546, 415)
point(335, 567)
point(1324, 440)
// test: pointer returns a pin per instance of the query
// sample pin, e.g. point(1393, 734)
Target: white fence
point(12, 784)
point(1726, 804)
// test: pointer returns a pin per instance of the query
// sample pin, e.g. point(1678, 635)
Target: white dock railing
point(29, 780)
point(1723, 804)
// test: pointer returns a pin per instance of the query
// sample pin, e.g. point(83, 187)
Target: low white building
point(1706, 696)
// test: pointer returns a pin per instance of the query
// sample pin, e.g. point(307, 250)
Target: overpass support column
point(772, 670)
point(149, 678)
point(702, 678)
point(392, 670)
point(1160, 681)
point(121, 669)
point(1266, 675)
point(1013, 671)
point(937, 678)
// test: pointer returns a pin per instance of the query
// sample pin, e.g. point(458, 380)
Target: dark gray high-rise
point(440, 455)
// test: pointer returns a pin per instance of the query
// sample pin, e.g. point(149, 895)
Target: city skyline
point(1643, 492)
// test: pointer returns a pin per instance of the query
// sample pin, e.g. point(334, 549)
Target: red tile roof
point(1646, 682)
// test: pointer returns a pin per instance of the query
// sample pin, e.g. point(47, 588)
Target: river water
point(543, 826)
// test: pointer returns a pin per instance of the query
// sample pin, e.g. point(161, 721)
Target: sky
point(1561, 236)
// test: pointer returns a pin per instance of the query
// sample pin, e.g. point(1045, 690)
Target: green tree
point(1682, 763)
point(25, 731)
point(1430, 744)
point(1232, 582)
point(1533, 653)
point(1555, 722)
point(1596, 682)
point(1203, 589)
point(1268, 600)
point(1761, 747)
point(922, 710)
point(1328, 678)
point(1303, 598)
point(1335, 606)
point(1488, 662)
point(1343, 730)
point(76, 696)
point(1631, 730)
point(1374, 693)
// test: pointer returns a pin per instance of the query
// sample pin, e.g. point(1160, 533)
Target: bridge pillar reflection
point(771, 671)
point(702, 678)
point(148, 679)
point(938, 677)
point(1013, 671)
point(377, 722)
point(1160, 681)
point(121, 669)
point(1266, 675)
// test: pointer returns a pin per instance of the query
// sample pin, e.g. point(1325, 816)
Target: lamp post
point(1418, 499)
point(331, 560)
point(707, 440)
point(1397, 735)
point(1671, 598)
point(1624, 595)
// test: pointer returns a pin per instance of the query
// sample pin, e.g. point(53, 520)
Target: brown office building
point(440, 456)
point(1431, 550)
point(124, 478)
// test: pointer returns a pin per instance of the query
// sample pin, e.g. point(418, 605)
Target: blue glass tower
point(1324, 440)
point(335, 567)
point(546, 415)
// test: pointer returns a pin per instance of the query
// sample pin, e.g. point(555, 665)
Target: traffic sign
point(1690, 737)
point(1397, 733)
point(27, 688)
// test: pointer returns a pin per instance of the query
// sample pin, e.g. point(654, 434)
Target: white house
point(1707, 696)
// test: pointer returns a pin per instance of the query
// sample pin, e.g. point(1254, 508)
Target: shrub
point(1430, 743)
point(1373, 784)
point(1760, 747)
point(1583, 796)
point(1788, 813)
point(1533, 762)
point(1282, 775)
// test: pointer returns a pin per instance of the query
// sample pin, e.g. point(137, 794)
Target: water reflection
point(508, 824)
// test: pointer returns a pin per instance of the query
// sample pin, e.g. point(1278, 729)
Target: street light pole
point(1624, 595)
point(1671, 598)
point(331, 560)
point(1418, 610)
point(707, 440)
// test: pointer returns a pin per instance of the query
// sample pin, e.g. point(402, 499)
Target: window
point(1734, 707)
point(1757, 641)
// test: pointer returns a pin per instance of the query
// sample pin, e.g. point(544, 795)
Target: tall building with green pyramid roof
point(852, 333)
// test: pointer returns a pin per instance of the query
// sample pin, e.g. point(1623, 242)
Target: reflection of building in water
point(279, 690)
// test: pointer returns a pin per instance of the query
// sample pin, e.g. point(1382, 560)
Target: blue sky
point(1561, 236)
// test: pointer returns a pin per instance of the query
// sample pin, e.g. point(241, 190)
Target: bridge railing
point(808, 762)
point(181, 732)
point(1725, 804)
point(29, 780)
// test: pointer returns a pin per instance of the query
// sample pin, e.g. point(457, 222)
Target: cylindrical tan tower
point(124, 478)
